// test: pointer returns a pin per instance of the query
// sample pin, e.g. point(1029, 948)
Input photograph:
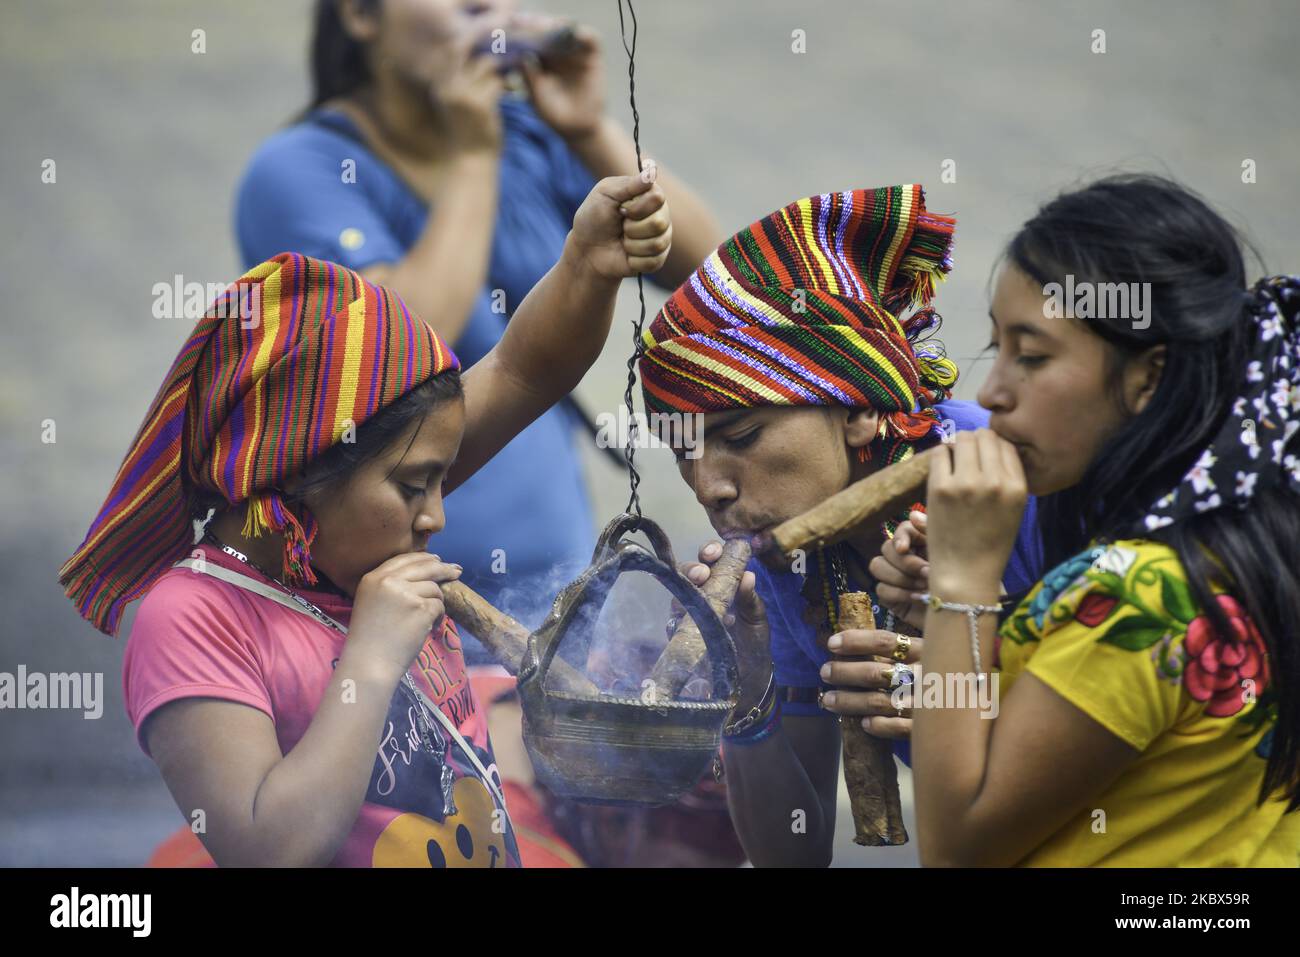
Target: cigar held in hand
point(869, 770)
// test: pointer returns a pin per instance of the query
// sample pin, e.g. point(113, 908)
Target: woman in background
point(411, 167)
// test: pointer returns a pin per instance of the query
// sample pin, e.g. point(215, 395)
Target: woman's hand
point(902, 570)
point(975, 499)
point(469, 98)
point(396, 606)
point(886, 710)
point(567, 91)
point(623, 227)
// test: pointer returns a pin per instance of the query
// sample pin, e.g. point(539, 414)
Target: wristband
point(757, 714)
point(758, 731)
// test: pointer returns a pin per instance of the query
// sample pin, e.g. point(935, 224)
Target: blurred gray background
point(149, 139)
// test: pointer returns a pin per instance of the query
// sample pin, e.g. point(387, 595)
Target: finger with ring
point(899, 674)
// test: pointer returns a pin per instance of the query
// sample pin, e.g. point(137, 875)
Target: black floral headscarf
point(1256, 448)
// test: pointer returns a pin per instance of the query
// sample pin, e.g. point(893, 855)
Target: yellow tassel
point(255, 520)
point(925, 275)
point(940, 369)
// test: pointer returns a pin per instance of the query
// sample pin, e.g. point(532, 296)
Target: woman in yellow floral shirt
point(1149, 685)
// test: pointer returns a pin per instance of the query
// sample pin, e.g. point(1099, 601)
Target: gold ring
point(902, 647)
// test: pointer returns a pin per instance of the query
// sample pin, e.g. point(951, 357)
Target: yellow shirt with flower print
point(1116, 632)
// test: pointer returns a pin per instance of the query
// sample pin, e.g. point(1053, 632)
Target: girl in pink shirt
point(291, 669)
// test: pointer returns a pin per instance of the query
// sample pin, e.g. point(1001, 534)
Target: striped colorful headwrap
point(282, 364)
point(802, 308)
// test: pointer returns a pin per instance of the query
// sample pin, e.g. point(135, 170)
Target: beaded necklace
point(836, 583)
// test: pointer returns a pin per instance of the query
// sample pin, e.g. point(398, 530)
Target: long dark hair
point(338, 62)
point(1142, 228)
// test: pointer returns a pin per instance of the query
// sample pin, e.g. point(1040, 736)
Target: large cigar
point(869, 770)
point(686, 648)
point(505, 637)
point(871, 500)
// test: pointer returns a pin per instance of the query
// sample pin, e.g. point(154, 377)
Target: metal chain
point(634, 477)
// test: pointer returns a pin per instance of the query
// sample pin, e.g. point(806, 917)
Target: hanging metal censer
point(628, 750)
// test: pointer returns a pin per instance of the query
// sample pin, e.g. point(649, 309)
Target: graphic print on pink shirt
point(197, 636)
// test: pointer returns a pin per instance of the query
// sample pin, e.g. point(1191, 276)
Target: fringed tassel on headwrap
point(938, 373)
point(896, 442)
point(926, 262)
point(267, 512)
point(319, 323)
point(257, 517)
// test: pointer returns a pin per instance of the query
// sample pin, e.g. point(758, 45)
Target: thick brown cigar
point(505, 637)
point(871, 500)
point(869, 771)
point(686, 648)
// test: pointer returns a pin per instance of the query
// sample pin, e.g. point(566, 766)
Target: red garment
point(539, 844)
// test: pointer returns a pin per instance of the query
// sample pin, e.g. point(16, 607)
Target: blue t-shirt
point(796, 654)
point(524, 520)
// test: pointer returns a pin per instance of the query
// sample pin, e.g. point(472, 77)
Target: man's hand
point(902, 571)
point(884, 713)
point(623, 227)
point(745, 620)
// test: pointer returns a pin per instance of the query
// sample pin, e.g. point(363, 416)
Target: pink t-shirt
point(198, 636)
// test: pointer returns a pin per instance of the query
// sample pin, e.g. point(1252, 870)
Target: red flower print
point(1217, 668)
point(1094, 609)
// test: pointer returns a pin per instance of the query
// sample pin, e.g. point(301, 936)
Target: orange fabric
point(181, 849)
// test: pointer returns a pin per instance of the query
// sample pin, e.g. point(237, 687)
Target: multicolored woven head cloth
point(275, 372)
point(802, 307)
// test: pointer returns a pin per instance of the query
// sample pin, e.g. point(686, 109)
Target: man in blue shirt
point(788, 342)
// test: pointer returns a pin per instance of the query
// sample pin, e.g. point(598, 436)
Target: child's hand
point(396, 606)
point(623, 228)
